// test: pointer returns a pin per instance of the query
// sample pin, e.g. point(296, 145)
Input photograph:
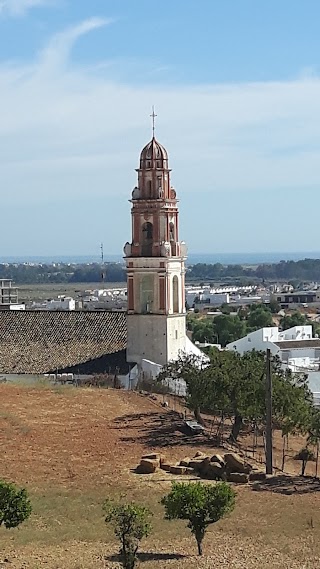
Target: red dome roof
point(153, 155)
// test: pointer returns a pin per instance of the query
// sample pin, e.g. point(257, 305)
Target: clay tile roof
point(38, 342)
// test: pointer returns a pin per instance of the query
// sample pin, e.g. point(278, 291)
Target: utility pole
point(269, 469)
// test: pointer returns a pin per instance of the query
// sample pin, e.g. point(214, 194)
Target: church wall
point(176, 336)
point(147, 338)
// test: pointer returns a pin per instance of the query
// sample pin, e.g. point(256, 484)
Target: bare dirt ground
point(72, 448)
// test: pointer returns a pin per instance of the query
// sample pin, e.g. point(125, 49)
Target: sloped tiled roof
point(38, 342)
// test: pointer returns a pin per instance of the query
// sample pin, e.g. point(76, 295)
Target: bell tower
point(155, 262)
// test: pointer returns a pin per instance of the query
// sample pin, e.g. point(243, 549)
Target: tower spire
point(153, 116)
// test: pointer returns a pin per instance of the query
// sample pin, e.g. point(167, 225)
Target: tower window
point(175, 294)
point(147, 229)
point(160, 191)
point(147, 239)
point(171, 232)
point(146, 294)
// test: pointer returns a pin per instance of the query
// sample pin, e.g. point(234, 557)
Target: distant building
point(9, 296)
point(294, 299)
point(104, 299)
point(206, 302)
point(61, 303)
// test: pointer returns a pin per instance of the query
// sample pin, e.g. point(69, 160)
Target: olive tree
point(131, 523)
point(199, 504)
point(15, 506)
point(231, 384)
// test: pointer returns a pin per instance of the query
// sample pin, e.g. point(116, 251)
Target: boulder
point(235, 463)
point(196, 464)
point(147, 466)
point(257, 475)
point(165, 466)
point(178, 469)
point(238, 477)
point(199, 454)
point(189, 470)
point(203, 466)
point(218, 459)
point(185, 461)
point(214, 471)
point(152, 456)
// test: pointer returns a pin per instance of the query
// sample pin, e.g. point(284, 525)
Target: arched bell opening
point(147, 239)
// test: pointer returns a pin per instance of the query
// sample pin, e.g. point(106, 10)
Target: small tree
point(15, 506)
point(131, 524)
point(192, 369)
point(305, 454)
point(314, 433)
point(199, 504)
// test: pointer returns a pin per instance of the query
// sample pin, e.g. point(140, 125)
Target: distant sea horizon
point(193, 258)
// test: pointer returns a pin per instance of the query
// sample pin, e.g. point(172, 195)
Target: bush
point(131, 523)
point(15, 506)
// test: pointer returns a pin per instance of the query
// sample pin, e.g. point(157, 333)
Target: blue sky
point(237, 92)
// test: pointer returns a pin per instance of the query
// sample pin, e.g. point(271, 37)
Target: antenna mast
point(102, 265)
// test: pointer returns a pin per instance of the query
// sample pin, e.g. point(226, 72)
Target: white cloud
point(20, 7)
point(69, 132)
point(57, 51)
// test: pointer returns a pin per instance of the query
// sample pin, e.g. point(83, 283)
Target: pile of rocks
point(230, 467)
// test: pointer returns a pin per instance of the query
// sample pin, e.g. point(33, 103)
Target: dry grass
point(39, 292)
point(73, 448)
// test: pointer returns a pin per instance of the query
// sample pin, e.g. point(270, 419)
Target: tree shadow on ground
point(150, 556)
point(133, 420)
point(288, 485)
point(160, 430)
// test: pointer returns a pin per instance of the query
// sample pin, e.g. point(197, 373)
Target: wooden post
point(269, 468)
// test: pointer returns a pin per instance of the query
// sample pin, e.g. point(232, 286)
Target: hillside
point(72, 448)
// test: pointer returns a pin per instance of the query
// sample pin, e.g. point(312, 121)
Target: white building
point(104, 299)
point(205, 296)
point(61, 303)
point(9, 296)
point(297, 342)
point(295, 347)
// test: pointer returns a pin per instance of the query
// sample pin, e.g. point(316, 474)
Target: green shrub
point(199, 504)
point(15, 506)
point(131, 523)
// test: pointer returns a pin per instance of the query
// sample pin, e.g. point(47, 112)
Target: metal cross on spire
point(153, 116)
